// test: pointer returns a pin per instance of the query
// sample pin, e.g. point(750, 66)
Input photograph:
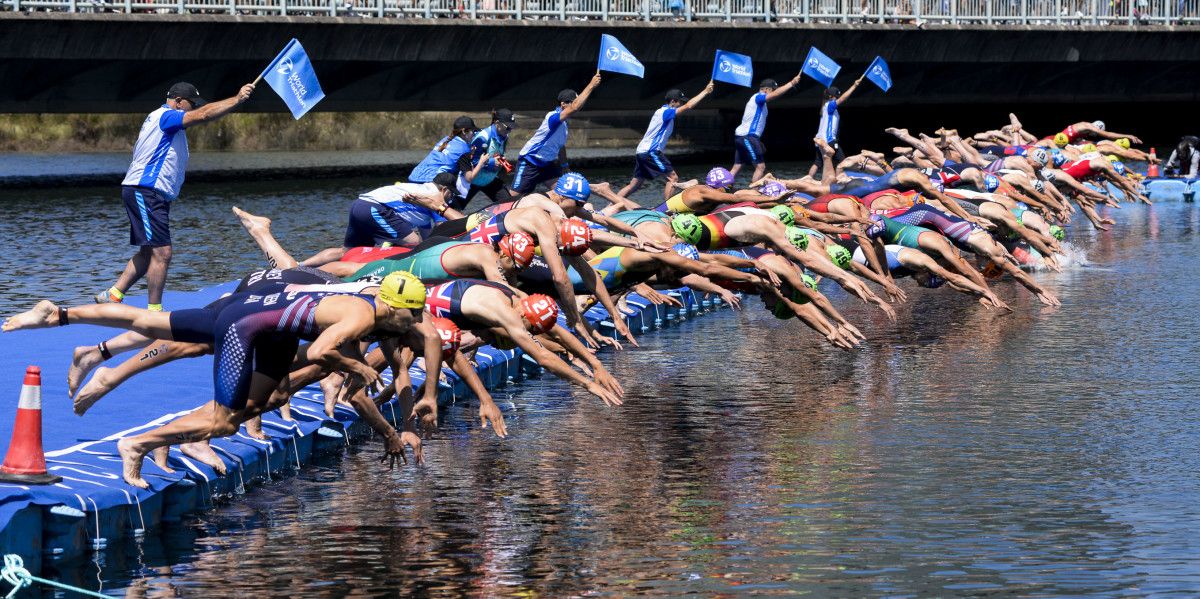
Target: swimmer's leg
point(259, 228)
point(87, 357)
point(324, 257)
point(159, 353)
point(211, 420)
point(45, 314)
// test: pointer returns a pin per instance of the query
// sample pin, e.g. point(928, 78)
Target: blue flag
point(733, 68)
point(614, 57)
point(292, 77)
point(820, 67)
point(879, 74)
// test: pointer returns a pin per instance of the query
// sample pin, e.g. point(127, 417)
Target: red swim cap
point(451, 336)
point(574, 237)
point(518, 246)
point(540, 311)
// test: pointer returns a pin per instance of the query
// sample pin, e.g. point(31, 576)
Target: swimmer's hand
point(393, 449)
point(731, 299)
point(426, 410)
point(767, 274)
point(609, 398)
point(623, 329)
point(605, 340)
point(489, 413)
point(983, 222)
point(607, 380)
point(895, 293)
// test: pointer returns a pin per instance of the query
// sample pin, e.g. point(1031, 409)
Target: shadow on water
point(958, 452)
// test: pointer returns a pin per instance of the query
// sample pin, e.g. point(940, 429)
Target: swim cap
point(809, 282)
point(1087, 148)
point(877, 226)
point(574, 237)
point(1098, 124)
point(718, 178)
point(1058, 232)
point(1112, 158)
point(796, 236)
point(840, 255)
point(1039, 186)
point(519, 246)
point(1119, 167)
point(573, 186)
point(451, 336)
point(540, 311)
point(784, 214)
point(474, 219)
point(1123, 143)
point(402, 289)
point(991, 183)
point(773, 189)
point(688, 227)
point(686, 250)
point(1059, 159)
point(1040, 156)
point(783, 311)
point(1061, 139)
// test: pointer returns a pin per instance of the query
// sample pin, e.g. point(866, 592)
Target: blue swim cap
point(1059, 159)
point(573, 186)
point(1119, 167)
point(877, 226)
point(773, 189)
point(686, 250)
point(991, 183)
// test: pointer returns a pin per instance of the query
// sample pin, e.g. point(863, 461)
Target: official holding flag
point(649, 162)
point(153, 180)
point(747, 142)
point(831, 120)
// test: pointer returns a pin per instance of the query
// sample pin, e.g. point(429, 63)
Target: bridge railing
point(910, 12)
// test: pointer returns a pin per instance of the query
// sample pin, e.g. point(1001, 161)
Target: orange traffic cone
point(1152, 170)
point(25, 462)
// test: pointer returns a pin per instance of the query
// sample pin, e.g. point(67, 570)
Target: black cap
point(771, 83)
point(504, 116)
point(465, 122)
point(677, 95)
point(567, 95)
point(832, 92)
point(188, 92)
point(447, 180)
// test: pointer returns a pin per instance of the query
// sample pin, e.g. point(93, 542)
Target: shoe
point(104, 297)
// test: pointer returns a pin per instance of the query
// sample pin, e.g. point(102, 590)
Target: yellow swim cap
point(474, 219)
point(402, 289)
point(1061, 139)
point(1087, 148)
point(1123, 143)
point(1112, 158)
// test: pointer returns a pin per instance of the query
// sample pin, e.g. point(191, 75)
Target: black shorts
point(372, 224)
point(748, 149)
point(496, 191)
point(149, 216)
point(529, 175)
point(651, 165)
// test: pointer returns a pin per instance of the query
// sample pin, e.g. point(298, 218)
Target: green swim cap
point(840, 255)
point(688, 227)
point(796, 236)
point(809, 281)
point(784, 214)
point(1058, 232)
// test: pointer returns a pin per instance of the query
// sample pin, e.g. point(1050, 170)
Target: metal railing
point(898, 12)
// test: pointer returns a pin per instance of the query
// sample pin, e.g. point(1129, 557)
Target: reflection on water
point(1050, 452)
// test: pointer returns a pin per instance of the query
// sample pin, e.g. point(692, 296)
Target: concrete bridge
point(58, 62)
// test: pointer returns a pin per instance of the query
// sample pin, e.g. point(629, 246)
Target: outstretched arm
point(582, 98)
point(696, 100)
point(783, 89)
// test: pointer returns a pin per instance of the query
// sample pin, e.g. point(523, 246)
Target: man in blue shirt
point(649, 162)
point(831, 120)
point(544, 157)
point(153, 180)
point(747, 141)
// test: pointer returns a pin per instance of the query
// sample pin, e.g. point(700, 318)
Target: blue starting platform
point(93, 506)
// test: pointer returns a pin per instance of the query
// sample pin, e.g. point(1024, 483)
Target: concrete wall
point(124, 63)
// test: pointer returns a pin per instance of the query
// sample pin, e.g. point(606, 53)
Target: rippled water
point(958, 452)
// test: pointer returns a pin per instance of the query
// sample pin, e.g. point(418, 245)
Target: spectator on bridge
point(649, 162)
point(479, 169)
point(544, 157)
point(830, 121)
point(747, 141)
point(445, 155)
point(152, 182)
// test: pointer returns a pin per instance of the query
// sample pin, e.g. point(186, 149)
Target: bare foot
point(254, 428)
point(160, 458)
point(203, 453)
point(687, 184)
point(602, 186)
point(44, 314)
point(91, 393)
point(83, 360)
point(285, 411)
point(131, 462)
point(330, 386)
point(251, 222)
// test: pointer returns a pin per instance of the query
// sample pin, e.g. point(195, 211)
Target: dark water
point(957, 453)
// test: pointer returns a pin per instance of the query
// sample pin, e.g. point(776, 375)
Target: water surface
point(957, 453)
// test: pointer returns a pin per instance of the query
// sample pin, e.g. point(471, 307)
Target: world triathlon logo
point(284, 67)
point(612, 53)
point(725, 66)
point(813, 63)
